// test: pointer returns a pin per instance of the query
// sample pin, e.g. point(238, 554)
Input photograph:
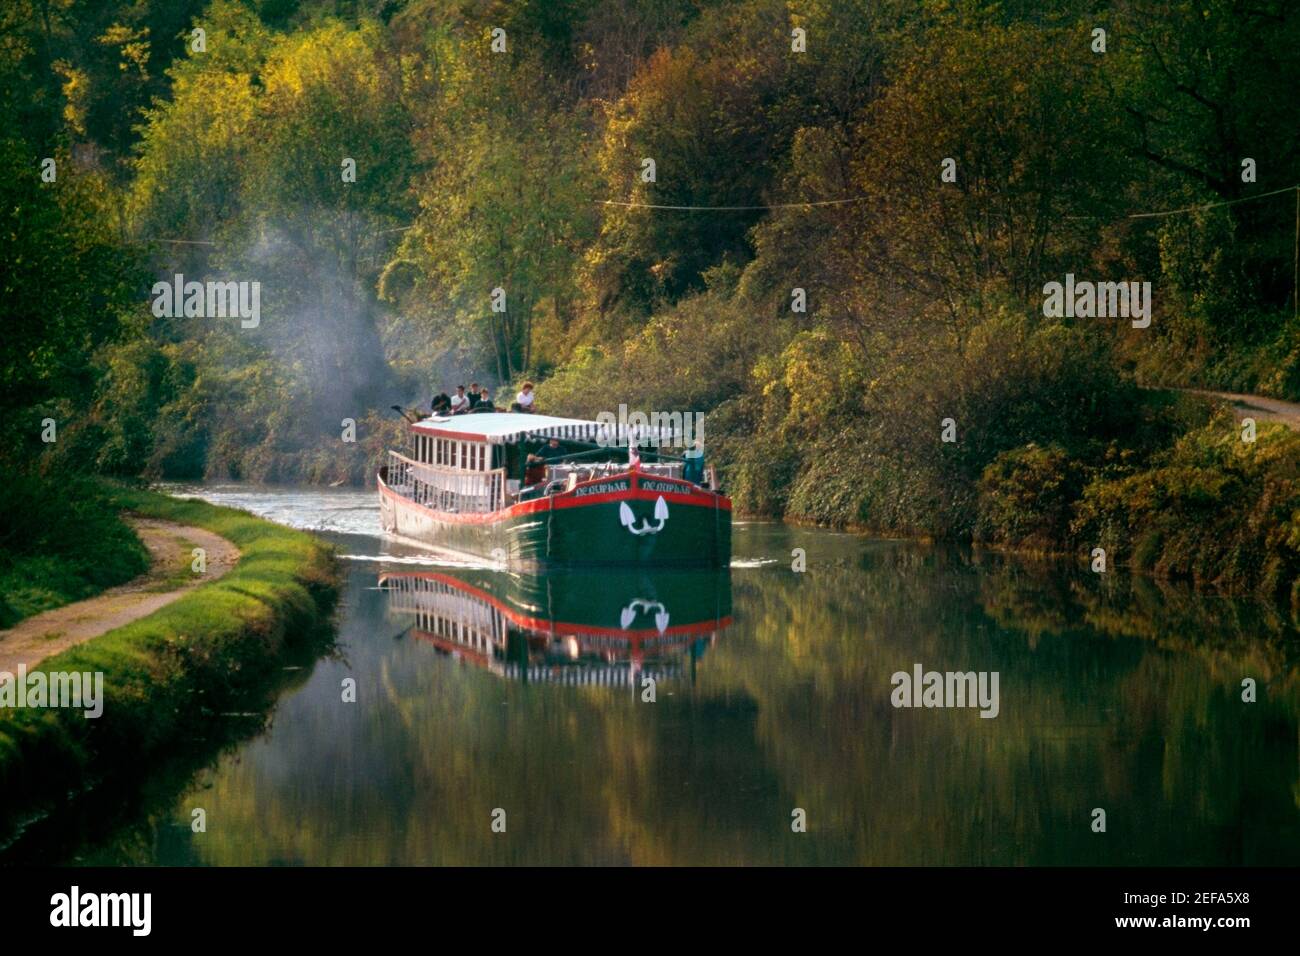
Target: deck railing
point(448, 612)
point(588, 471)
point(447, 489)
point(479, 492)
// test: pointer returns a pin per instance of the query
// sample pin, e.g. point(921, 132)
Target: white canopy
point(506, 428)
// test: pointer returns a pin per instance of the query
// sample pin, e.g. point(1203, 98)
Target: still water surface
point(479, 691)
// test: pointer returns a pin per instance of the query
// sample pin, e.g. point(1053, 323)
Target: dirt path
point(169, 576)
point(1257, 407)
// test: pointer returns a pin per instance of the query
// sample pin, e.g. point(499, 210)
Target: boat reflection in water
point(606, 627)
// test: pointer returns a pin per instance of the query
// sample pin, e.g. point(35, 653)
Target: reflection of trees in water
point(1115, 694)
point(1245, 636)
point(1152, 730)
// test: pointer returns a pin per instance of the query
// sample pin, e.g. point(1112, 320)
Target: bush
point(1026, 498)
point(692, 357)
point(865, 432)
point(1219, 511)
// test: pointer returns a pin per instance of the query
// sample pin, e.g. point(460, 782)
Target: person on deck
point(524, 401)
point(441, 404)
point(536, 462)
point(693, 464)
point(473, 395)
point(459, 401)
point(551, 450)
point(484, 403)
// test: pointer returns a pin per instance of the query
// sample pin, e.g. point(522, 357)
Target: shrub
point(1026, 498)
point(1222, 512)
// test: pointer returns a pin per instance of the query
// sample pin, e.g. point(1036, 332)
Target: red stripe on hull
point(545, 625)
point(571, 499)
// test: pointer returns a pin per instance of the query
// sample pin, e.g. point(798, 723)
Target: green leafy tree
point(68, 288)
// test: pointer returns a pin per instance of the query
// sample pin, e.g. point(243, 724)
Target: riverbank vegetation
point(964, 154)
point(60, 542)
point(179, 668)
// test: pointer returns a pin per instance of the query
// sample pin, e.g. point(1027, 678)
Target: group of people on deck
point(480, 400)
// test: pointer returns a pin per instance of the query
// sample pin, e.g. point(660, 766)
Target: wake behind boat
point(535, 490)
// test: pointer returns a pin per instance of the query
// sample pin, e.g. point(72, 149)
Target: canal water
point(500, 719)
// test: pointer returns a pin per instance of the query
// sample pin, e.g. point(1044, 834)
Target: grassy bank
point(167, 675)
point(60, 541)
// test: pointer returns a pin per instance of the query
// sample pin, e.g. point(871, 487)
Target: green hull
point(611, 627)
point(625, 520)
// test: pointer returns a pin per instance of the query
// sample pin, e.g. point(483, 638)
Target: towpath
point(1256, 406)
point(169, 577)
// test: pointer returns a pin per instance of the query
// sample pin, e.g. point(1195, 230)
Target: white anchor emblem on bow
point(629, 520)
point(630, 612)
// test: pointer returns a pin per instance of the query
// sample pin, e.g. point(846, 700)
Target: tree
point(1019, 116)
point(505, 205)
point(68, 288)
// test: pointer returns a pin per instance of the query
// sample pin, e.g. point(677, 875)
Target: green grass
point(63, 541)
point(167, 674)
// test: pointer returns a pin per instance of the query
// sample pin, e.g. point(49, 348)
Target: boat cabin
point(479, 463)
